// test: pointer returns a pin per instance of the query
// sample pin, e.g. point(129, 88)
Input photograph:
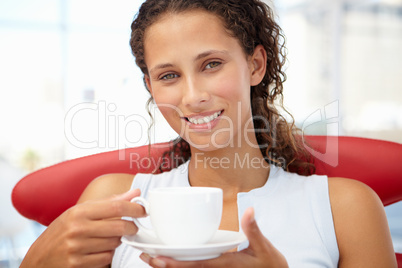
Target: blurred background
point(69, 85)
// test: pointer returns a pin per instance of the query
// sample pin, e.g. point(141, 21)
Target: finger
point(256, 239)
point(112, 209)
point(101, 259)
point(111, 228)
point(98, 245)
point(115, 207)
point(231, 259)
point(259, 246)
point(127, 196)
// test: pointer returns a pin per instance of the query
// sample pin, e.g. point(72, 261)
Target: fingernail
point(145, 257)
point(159, 263)
point(252, 216)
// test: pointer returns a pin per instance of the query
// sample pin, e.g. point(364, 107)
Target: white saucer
point(221, 242)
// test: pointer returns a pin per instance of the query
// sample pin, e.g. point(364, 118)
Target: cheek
point(169, 111)
point(233, 86)
point(225, 88)
point(168, 105)
point(166, 99)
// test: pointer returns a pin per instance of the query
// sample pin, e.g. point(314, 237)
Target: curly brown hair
point(252, 23)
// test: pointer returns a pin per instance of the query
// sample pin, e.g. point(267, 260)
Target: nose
point(195, 95)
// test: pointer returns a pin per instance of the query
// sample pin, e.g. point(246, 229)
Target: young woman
point(214, 68)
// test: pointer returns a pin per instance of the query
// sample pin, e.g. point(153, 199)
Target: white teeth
point(205, 119)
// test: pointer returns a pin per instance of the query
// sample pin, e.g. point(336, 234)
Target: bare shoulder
point(361, 226)
point(343, 190)
point(107, 185)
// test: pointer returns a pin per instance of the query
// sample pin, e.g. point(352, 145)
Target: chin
point(205, 145)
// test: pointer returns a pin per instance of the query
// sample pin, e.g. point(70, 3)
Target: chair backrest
point(374, 162)
point(45, 194)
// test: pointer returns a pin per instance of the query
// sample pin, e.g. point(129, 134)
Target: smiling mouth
point(203, 120)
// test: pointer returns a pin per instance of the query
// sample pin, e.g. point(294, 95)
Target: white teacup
point(182, 215)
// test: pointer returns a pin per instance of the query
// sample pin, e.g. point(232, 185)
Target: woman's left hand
point(260, 253)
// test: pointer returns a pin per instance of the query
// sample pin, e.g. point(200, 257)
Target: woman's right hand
point(85, 235)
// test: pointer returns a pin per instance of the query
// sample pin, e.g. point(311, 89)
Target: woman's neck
point(234, 169)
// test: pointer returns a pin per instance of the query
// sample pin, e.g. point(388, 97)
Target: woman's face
point(200, 79)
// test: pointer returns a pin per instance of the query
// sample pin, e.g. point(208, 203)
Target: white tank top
point(292, 211)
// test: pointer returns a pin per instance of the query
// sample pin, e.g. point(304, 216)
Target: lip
point(202, 115)
point(204, 126)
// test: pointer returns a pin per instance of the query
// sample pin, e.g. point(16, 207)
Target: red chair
point(45, 194)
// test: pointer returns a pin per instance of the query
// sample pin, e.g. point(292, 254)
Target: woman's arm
point(87, 234)
point(361, 227)
point(106, 186)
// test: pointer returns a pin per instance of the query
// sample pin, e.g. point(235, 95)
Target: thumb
point(258, 244)
point(127, 196)
point(256, 239)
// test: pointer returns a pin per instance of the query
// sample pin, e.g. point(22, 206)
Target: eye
point(212, 64)
point(169, 76)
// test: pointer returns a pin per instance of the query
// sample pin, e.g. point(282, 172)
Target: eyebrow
point(198, 57)
point(160, 66)
point(209, 52)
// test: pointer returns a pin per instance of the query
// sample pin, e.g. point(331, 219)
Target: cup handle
point(141, 227)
